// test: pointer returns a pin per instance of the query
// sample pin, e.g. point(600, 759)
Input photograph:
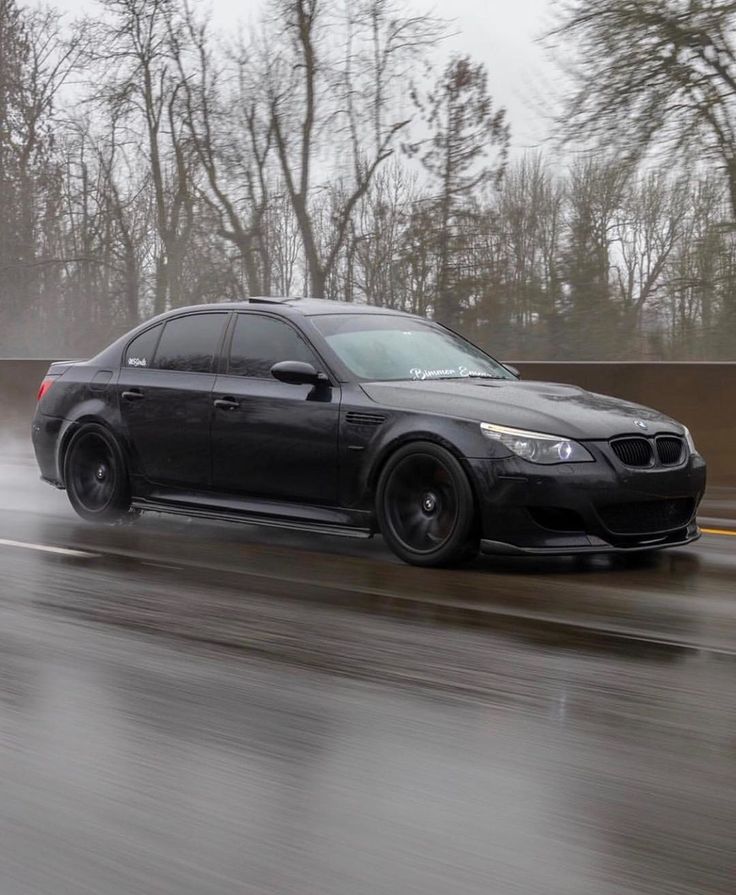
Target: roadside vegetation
point(147, 161)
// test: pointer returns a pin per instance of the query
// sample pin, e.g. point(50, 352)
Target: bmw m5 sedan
point(357, 420)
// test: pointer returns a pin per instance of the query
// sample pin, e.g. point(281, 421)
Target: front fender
point(364, 455)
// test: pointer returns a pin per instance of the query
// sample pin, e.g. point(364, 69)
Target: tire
point(95, 475)
point(425, 506)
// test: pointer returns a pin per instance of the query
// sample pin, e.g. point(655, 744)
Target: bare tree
point(378, 272)
point(228, 123)
point(284, 240)
point(189, 167)
point(141, 85)
point(646, 229)
point(650, 73)
point(700, 275)
point(530, 209)
point(36, 60)
point(105, 233)
point(317, 112)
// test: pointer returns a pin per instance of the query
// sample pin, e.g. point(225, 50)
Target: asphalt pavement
point(197, 708)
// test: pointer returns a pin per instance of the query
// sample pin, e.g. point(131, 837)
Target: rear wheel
point(95, 476)
point(425, 506)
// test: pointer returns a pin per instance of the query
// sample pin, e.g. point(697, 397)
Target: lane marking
point(500, 613)
point(42, 548)
point(83, 554)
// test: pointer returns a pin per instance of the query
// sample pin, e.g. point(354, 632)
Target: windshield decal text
point(459, 373)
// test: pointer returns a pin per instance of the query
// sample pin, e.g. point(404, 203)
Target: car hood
point(536, 406)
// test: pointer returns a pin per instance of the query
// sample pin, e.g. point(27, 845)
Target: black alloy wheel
point(425, 506)
point(95, 476)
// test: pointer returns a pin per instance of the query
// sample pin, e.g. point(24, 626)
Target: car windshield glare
point(386, 348)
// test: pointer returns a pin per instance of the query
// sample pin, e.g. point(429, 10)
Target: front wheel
point(425, 506)
point(95, 476)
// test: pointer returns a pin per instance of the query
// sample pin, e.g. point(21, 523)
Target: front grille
point(357, 418)
point(647, 517)
point(633, 451)
point(670, 449)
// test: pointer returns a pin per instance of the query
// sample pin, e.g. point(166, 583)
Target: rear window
point(189, 344)
point(141, 349)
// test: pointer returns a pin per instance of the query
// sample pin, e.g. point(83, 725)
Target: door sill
point(292, 517)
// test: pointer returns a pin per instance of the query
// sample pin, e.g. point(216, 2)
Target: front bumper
point(596, 507)
point(593, 544)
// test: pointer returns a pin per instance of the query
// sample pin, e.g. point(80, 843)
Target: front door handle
point(133, 395)
point(227, 403)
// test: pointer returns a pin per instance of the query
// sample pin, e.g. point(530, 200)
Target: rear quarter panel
point(83, 392)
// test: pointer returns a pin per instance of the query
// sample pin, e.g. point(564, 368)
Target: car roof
point(287, 307)
point(307, 307)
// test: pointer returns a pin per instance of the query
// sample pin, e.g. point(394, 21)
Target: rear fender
point(94, 410)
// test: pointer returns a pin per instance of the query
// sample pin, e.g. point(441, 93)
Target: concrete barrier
point(701, 395)
point(19, 382)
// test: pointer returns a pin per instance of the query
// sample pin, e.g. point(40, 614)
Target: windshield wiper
point(446, 378)
point(474, 376)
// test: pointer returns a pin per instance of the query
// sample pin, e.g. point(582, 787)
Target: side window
point(140, 351)
point(260, 342)
point(189, 344)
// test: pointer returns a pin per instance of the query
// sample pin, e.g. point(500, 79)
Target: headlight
point(689, 441)
point(536, 446)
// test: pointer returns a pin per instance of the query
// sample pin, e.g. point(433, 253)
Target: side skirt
point(318, 520)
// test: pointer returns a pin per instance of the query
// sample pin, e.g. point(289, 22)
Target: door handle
point(227, 403)
point(133, 395)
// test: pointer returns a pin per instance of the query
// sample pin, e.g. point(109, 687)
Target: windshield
point(386, 348)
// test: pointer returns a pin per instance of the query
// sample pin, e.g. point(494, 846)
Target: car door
point(165, 389)
point(272, 439)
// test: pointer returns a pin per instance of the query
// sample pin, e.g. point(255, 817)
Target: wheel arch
point(87, 419)
point(382, 457)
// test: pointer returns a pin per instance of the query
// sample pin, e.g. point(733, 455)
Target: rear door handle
point(133, 395)
point(227, 403)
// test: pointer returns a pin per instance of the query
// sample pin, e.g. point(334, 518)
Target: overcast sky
point(501, 33)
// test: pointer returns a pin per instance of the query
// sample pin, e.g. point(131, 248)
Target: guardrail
point(701, 395)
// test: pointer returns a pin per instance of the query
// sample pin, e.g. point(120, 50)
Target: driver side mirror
point(297, 372)
point(512, 370)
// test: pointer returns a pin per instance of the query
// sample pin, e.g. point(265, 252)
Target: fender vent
point(356, 418)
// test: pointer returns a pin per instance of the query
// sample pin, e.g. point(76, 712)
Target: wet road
point(190, 708)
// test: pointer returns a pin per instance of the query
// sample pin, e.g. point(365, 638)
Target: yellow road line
point(718, 531)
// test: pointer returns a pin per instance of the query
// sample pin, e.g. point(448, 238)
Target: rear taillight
point(45, 386)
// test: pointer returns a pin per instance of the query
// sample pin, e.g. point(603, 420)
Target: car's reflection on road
point(193, 708)
point(364, 753)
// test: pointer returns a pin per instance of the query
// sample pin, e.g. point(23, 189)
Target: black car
point(354, 420)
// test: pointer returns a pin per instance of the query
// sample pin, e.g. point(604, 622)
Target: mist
point(217, 182)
